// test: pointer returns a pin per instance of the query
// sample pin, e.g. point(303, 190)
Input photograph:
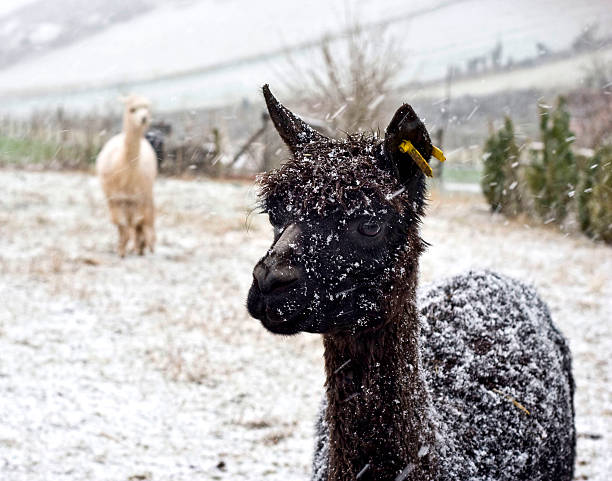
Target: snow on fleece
point(498, 414)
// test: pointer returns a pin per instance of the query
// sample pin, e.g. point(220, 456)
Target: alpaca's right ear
point(294, 131)
point(406, 133)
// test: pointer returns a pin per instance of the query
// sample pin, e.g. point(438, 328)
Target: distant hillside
point(41, 26)
point(208, 53)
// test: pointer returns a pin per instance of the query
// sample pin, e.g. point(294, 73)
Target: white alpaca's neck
point(131, 143)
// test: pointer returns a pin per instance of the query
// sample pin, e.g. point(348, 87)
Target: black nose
point(274, 280)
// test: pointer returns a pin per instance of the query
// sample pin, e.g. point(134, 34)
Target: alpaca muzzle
point(274, 280)
point(275, 273)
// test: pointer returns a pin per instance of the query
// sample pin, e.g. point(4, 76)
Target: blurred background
point(149, 368)
point(463, 64)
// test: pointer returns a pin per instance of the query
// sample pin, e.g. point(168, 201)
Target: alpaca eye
point(132, 110)
point(369, 229)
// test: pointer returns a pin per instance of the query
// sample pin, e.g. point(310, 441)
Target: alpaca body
point(496, 414)
point(127, 168)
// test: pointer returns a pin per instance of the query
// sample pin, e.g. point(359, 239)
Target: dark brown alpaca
point(406, 399)
point(377, 406)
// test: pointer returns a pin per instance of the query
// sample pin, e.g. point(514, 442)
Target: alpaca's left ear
point(294, 131)
point(405, 134)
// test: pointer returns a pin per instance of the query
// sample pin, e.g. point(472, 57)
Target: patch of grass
point(463, 175)
point(23, 150)
point(181, 363)
point(39, 150)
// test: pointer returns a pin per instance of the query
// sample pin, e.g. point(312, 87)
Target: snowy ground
point(150, 369)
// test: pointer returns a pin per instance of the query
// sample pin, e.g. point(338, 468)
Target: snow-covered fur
point(499, 414)
point(127, 168)
point(476, 385)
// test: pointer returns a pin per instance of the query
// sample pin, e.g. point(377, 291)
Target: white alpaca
point(127, 169)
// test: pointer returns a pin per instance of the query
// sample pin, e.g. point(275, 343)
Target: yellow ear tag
point(438, 154)
point(406, 146)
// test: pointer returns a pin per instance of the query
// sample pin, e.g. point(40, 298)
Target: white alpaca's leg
point(140, 241)
point(123, 238)
point(119, 218)
point(149, 232)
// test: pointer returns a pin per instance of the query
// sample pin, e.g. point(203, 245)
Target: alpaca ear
point(294, 131)
point(406, 164)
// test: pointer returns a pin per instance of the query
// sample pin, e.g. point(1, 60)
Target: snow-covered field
point(150, 369)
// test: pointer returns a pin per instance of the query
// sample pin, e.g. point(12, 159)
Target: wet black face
point(327, 273)
point(344, 213)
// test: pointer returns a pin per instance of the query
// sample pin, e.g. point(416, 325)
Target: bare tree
point(349, 80)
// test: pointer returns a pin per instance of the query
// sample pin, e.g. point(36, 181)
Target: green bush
point(500, 181)
point(584, 191)
point(552, 177)
point(595, 199)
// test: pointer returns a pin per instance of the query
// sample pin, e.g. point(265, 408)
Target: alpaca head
point(136, 113)
point(345, 215)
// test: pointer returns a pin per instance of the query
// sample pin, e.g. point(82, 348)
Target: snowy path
point(150, 369)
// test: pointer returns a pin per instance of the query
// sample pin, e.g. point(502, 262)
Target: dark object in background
point(156, 136)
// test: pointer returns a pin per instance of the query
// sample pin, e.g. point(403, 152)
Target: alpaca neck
point(378, 408)
point(131, 144)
